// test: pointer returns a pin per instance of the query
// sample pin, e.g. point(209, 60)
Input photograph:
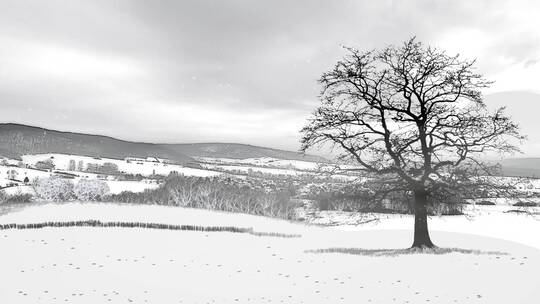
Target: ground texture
point(323, 265)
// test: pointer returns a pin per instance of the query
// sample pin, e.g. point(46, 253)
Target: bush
point(54, 189)
point(526, 204)
point(446, 209)
point(106, 168)
point(19, 198)
point(348, 200)
point(47, 164)
point(214, 194)
point(485, 203)
point(15, 198)
point(3, 196)
point(131, 177)
point(91, 190)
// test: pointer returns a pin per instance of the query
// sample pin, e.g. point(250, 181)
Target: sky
point(237, 71)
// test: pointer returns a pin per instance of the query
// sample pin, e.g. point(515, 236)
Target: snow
point(21, 174)
point(266, 162)
point(61, 162)
point(488, 221)
point(107, 265)
point(273, 166)
point(246, 169)
point(143, 213)
point(116, 187)
point(22, 189)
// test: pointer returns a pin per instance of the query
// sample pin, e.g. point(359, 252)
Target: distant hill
point(525, 167)
point(239, 151)
point(17, 140)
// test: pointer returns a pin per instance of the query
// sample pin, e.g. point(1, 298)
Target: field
point(342, 264)
point(61, 162)
point(490, 255)
point(260, 168)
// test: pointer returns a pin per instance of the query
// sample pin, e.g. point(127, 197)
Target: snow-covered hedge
point(60, 189)
point(91, 190)
point(54, 189)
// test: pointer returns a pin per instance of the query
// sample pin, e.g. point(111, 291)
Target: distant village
point(21, 172)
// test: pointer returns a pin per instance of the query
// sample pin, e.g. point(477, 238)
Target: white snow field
point(489, 221)
point(135, 265)
point(61, 161)
point(265, 162)
point(115, 187)
point(269, 165)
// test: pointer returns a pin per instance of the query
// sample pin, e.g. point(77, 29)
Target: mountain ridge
point(18, 139)
point(521, 167)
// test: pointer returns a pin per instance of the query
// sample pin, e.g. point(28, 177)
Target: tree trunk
point(421, 233)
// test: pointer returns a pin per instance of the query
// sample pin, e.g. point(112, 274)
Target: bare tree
point(72, 166)
point(413, 118)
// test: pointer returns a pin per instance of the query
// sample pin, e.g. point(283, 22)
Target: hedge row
point(96, 223)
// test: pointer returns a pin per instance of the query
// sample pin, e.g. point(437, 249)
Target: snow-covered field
point(488, 221)
point(215, 167)
point(61, 162)
point(128, 265)
point(274, 166)
point(265, 162)
point(21, 174)
point(246, 169)
point(115, 187)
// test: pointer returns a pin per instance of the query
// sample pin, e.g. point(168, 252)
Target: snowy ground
point(265, 162)
point(61, 162)
point(105, 265)
point(269, 165)
point(115, 187)
point(489, 221)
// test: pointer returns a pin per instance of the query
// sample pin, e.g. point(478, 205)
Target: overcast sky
point(235, 71)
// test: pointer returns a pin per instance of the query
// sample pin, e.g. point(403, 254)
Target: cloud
point(232, 70)
point(522, 108)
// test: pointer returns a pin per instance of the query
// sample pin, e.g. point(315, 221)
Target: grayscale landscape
point(269, 152)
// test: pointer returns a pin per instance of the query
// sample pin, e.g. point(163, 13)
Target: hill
point(17, 140)
point(239, 151)
point(526, 167)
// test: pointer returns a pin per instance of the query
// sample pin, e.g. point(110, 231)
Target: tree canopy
point(413, 117)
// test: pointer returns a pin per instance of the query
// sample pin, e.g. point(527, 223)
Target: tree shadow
point(404, 251)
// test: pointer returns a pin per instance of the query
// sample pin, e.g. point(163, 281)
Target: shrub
point(91, 189)
point(54, 188)
point(3, 196)
point(485, 203)
point(351, 200)
point(106, 168)
point(19, 198)
point(131, 177)
point(526, 204)
point(214, 194)
point(446, 209)
point(47, 164)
